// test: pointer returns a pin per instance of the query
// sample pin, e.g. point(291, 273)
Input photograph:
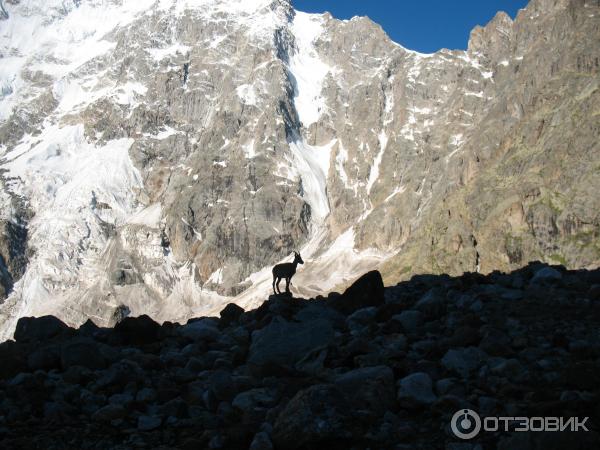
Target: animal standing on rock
point(287, 271)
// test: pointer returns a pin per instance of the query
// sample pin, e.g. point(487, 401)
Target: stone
point(109, 413)
point(546, 275)
point(415, 390)
point(368, 290)
point(254, 398)
point(432, 304)
point(261, 441)
point(314, 416)
point(410, 320)
point(230, 313)
point(200, 330)
point(370, 388)
point(137, 330)
point(145, 395)
point(39, 329)
point(283, 344)
point(148, 423)
point(82, 352)
point(45, 358)
point(463, 361)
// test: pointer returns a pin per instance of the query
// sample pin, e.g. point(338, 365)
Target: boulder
point(137, 330)
point(82, 352)
point(314, 417)
point(463, 360)
point(200, 330)
point(45, 358)
point(283, 344)
point(415, 390)
point(13, 357)
point(231, 313)
point(410, 320)
point(148, 423)
point(37, 329)
point(368, 290)
point(546, 275)
point(368, 388)
point(261, 441)
point(108, 413)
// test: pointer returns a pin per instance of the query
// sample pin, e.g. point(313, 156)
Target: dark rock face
point(38, 329)
point(318, 416)
point(299, 374)
point(366, 291)
point(285, 345)
point(137, 330)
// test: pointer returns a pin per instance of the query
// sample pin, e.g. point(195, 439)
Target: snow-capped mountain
point(159, 156)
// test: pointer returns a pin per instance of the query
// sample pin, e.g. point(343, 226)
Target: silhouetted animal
point(287, 271)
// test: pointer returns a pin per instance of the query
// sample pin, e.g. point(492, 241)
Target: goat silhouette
point(287, 271)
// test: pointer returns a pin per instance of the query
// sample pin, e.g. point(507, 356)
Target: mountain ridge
point(223, 153)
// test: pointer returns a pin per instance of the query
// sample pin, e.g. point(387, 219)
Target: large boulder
point(416, 390)
point(368, 290)
point(315, 418)
point(14, 359)
point(464, 360)
point(37, 329)
point(82, 352)
point(368, 388)
point(288, 345)
point(231, 313)
point(137, 330)
point(200, 330)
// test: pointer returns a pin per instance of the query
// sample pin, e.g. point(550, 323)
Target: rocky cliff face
point(160, 156)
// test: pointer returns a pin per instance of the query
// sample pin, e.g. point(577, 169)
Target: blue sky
point(424, 25)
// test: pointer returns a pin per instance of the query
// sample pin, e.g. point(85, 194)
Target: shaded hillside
point(374, 367)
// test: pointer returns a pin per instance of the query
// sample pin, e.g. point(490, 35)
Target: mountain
point(159, 156)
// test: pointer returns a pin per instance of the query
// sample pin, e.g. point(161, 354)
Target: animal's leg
point(277, 284)
point(287, 285)
point(274, 291)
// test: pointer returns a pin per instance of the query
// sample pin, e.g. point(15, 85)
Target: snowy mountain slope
point(160, 156)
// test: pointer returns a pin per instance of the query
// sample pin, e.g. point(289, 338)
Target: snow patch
point(249, 149)
point(158, 54)
point(149, 216)
point(311, 164)
point(246, 94)
point(216, 277)
point(374, 173)
point(307, 69)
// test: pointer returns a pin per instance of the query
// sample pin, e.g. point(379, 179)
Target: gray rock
point(546, 275)
point(85, 353)
point(411, 320)
point(416, 390)
point(314, 415)
point(284, 344)
point(261, 441)
point(38, 329)
point(125, 400)
point(254, 398)
point(200, 330)
point(109, 413)
point(148, 423)
point(145, 395)
point(370, 388)
point(463, 361)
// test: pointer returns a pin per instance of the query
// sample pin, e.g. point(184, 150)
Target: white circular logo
point(465, 424)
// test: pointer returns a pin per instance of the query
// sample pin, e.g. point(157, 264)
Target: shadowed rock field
point(373, 367)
